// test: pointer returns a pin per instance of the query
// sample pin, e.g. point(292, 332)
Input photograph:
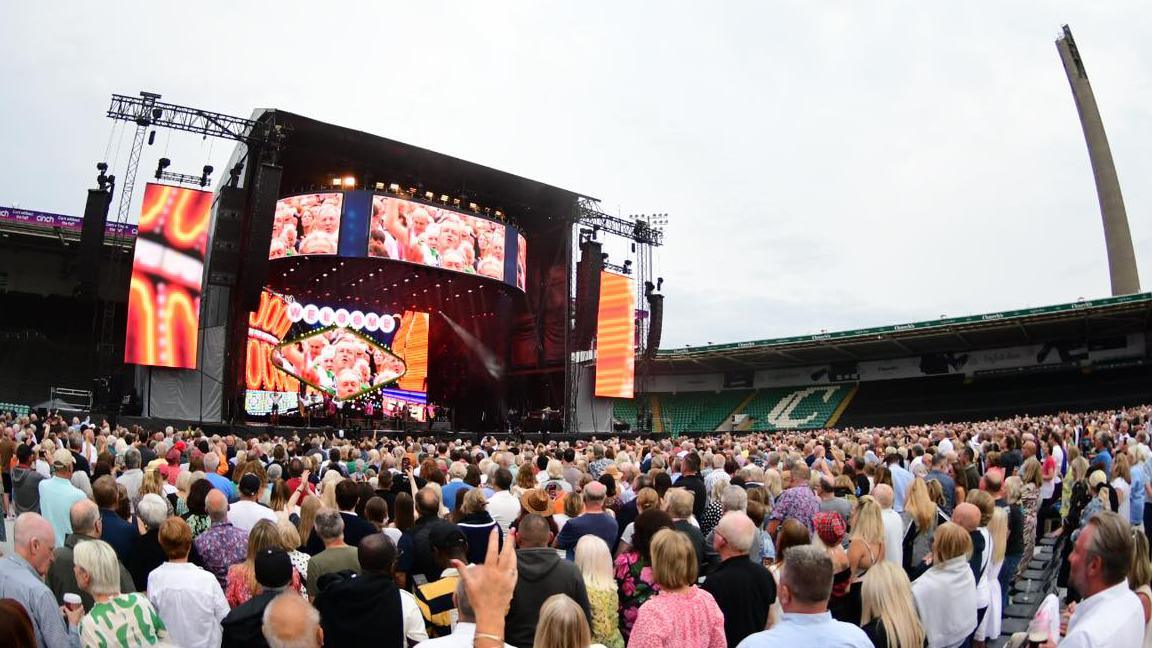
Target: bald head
point(966, 515)
point(32, 526)
point(84, 515)
point(738, 532)
point(290, 621)
point(216, 503)
point(883, 494)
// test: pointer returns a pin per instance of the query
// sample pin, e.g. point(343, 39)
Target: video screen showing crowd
point(1005, 532)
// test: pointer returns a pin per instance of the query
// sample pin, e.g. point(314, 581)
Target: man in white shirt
point(893, 525)
point(503, 508)
point(184, 595)
point(1111, 615)
point(245, 513)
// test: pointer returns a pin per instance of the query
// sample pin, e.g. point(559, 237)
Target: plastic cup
point(72, 601)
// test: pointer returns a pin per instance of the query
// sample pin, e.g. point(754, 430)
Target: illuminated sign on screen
point(410, 231)
point(615, 332)
point(167, 271)
point(307, 224)
point(319, 351)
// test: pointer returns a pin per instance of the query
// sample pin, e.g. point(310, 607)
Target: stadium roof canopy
point(1080, 320)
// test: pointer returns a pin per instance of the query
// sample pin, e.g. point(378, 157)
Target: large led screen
point(167, 275)
point(304, 353)
point(409, 231)
point(307, 224)
point(615, 333)
point(521, 262)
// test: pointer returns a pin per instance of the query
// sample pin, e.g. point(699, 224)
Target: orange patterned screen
point(167, 271)
point(615, 330)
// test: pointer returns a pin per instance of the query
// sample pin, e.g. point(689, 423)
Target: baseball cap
point(249, 484)
point(446, 536)
point(273, 568)
point(62, 460)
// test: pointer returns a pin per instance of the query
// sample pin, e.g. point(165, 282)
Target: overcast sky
point(825, 165)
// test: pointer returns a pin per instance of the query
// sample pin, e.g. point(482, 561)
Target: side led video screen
point(615, 334)
point(167, 273)
point(521, 262)
point(409, 231)
point(307, 353)
point(307, 224)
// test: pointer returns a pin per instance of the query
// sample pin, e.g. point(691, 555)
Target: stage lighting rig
point(164, 163)
point(234, 174)
point(349, 182)
point(206, 171)
point(103, 181)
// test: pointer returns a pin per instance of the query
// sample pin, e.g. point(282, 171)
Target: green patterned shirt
point(125, 621)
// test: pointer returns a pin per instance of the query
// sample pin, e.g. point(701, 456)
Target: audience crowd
point(889, 537)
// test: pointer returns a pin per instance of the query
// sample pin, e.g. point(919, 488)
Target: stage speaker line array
point(655, 324)
point(92, 241)
point(224, 263)
point(587, 293)
point(254, 263)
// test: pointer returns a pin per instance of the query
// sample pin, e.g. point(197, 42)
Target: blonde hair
point(950, 541)
point(920, 506)
point(646, 499)
point(1013, 488)
point(289, 536)
point(998, 528)
point(1121, 469)
point(678, 502)
point(983, 501)
point(886, 594)
point(1141, 571)
point(308, 509)
point(869, 525)
point(98, 559)
point(1078, 469)
point(574, 504)
point(562, 624)
point(773, 483)
point(673, 559)
point(328, 489)
point(595, 562)
point(263, 535)
point(1030, 472)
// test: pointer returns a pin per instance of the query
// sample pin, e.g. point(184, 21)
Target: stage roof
point(314, 152)
point(1077, 320)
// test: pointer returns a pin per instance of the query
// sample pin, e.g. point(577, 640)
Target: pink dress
point(687, 620)
point(236, 589)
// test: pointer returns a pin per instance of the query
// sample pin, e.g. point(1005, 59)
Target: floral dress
point(605, 606)
point(1030, 502)
point(637, 585)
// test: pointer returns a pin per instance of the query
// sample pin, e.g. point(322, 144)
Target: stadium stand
point(698, 411)
point(804, 408)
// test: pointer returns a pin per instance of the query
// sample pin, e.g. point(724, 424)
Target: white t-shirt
point(244, 515)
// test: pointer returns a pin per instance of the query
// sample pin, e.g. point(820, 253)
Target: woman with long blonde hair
point(864, 551)
point(989, 627)
point(241, 583)
point(308, 509)
point(887, 609)
point(1140, 579)
point(921, 517)
point(1030, 482)
point(595, 563)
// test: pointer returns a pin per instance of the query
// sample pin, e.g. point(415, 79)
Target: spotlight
point(164, 163)
point(394, 188)
point(207, 172)
point(234, 174)
point(473, 206)
point(659, 283)
point(336, 182)
point(349, 181)
point(456, 202)
point(499, 214)
point(379, 186)
point(444, 198)
point(429, 195)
